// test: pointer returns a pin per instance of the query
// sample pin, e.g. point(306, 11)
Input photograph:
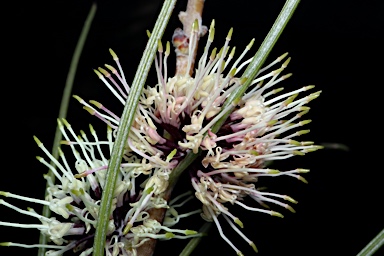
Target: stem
point(124, 127)
point(64, 107)
point(373, 245)
point(193, 12)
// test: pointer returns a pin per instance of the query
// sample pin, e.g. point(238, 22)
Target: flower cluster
point(174, 118)
point(76, 196)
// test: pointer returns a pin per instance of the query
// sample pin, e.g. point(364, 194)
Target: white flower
point(179, 112)
point(76, 196)
point(173, 119)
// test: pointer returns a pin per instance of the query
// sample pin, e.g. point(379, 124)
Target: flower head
point(174, 118)
point(177, 115)
point(75, 199)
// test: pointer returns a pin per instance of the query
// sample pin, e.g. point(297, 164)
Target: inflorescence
point(174, 118)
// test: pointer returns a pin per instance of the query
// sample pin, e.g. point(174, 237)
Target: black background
point(335, 45)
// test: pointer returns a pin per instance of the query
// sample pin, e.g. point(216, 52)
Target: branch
point(181, 36)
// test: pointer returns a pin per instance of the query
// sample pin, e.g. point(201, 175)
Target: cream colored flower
point(174, 118)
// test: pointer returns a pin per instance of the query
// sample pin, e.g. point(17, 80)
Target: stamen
point(211, 35)
point(116, 59)
point(66, 165)
point(222, 233)
point(41, 145)
point(48, 246)
point(108, 75)
point(101, 77)
point(263, 198)
point(98, 143)
point(240, 233)
point(144, 200)
point(53, 169)
point(78, 140)
point(100, 106)
point(114, 71)
point(286, 95)
point(240, 170)
point(18, 225)
point(247, 48)
point(272, 213)
point(86, 173)
point(193, 39)
point(29, 213)
point(280, 58)
point(167, 52)
point(106, 119)
point(28, 199)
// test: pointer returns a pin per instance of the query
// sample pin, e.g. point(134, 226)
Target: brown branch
point(181, 43)
point(148, 248)
point(181, 36)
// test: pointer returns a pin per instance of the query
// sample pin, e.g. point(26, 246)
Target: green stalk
point(124, 127)
point(64, 107)
point(373, 245)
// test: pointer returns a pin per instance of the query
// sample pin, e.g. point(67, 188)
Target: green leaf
point(373, 246)
point(125, 124)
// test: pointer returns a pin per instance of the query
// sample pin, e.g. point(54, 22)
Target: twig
point(181, 36)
